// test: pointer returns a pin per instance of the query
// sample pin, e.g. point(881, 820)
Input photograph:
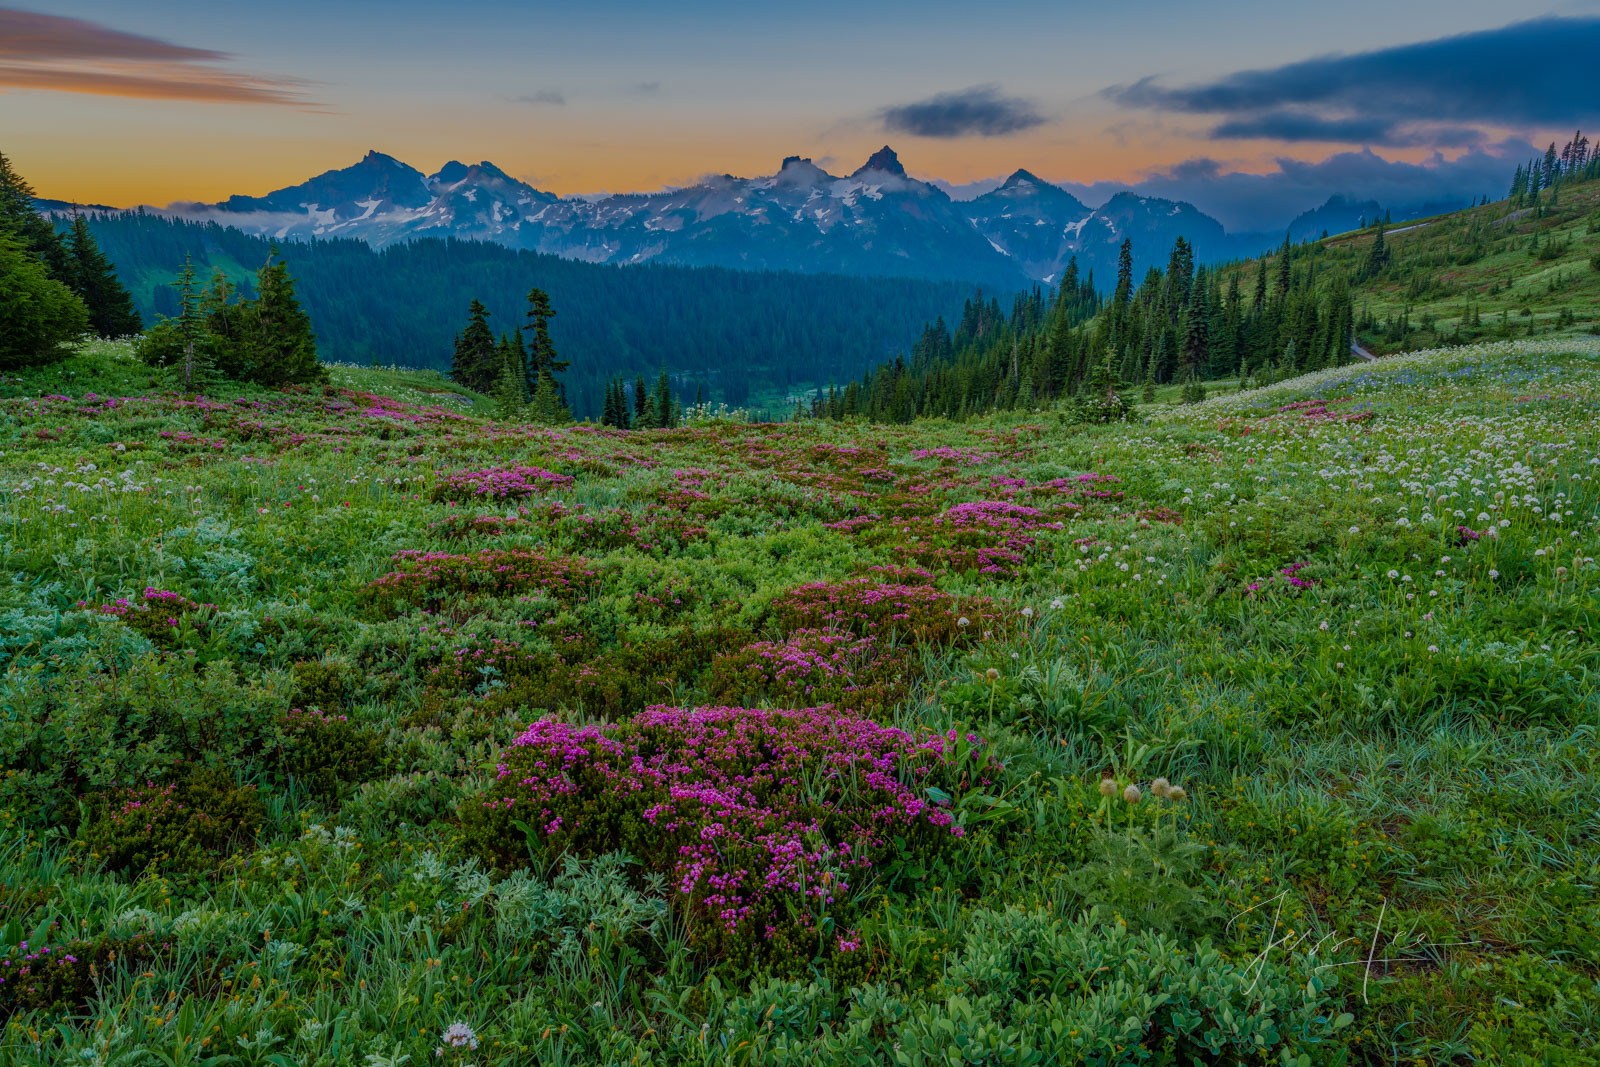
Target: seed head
point(1108, 787)
point(1161, 788)
point(1177, 793)
point(1132, 794)
point(993, 674)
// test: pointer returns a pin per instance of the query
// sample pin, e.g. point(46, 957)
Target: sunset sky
point(102, 101)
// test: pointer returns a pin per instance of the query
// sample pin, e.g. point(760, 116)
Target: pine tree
point(1284, 268)
point(664, 417)
point(509, 386)
point(1377, 256)
point(643, 410)
point(476, 362)
point(37, 236)
point(111, 312)
point(196, 367)
point(541, 358)
point(37, 313)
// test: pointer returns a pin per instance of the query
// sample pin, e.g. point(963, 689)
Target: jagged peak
point(883, 159)
point(1022, 177)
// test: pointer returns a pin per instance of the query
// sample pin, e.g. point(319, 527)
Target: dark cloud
point(1444, 92)
point(1299, 126)
point(979, 111)
point(550, 97)
point(644, 88)
point(1243, 201)
point(52, 53)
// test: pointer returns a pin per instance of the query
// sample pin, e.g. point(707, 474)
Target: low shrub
point(63, 978)
point(812, 667)
point(864, 606)
point(324, 752)
point(509, 483)
point(767, 823)
point(440, 577)
point(182, 827)
point(158, 614)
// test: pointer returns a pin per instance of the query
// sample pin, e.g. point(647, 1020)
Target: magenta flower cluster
point(430, 576)
point(758, 816)
point(492, 483)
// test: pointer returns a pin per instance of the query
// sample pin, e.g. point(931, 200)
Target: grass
point(1351, 616)
point(1470, 275)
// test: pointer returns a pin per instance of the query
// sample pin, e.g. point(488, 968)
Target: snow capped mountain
point(1032, 221)
point(878, 220)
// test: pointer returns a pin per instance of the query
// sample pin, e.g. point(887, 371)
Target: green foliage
point(111, 312)
point(264, 339)
point(37, 314)
point(62, 978)
point(746, 334)
point(182, 827)
point(1346, 610)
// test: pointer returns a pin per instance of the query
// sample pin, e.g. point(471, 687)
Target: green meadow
point(347, 725)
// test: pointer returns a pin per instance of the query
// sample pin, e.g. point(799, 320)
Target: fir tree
point(1193, 391)
point(541, 358)
point(37, 313)
point(476, 362)
point(94, 279)
point(643, 410)
point(37, 236)
point(664, 415)
point(280, 345)
point(546, 406)
point(509, 386)
point(1377, 256)
point(196, 366)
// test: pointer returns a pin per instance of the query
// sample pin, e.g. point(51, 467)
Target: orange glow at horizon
point(613, 158)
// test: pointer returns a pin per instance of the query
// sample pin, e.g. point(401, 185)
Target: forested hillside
point(1524, 266)
point(737, 335)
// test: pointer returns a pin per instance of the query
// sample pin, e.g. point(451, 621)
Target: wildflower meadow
point(346, 725)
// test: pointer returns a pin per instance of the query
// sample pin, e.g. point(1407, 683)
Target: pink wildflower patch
point(509, 483)
point(762, 819)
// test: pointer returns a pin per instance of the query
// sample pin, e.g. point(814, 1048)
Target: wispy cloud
point(1446, 93)
point(977, 111)
point(53, 53)
point(549, 97)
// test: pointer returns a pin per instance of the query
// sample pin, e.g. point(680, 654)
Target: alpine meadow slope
point(347, 725)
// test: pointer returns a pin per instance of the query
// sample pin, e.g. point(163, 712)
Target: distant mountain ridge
point(876, 221)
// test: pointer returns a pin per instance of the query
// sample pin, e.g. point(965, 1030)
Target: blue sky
point(615, 95)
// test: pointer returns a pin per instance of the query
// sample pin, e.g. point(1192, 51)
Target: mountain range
point(875, 221)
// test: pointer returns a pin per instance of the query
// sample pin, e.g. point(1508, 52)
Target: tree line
point(732, 336)
point(54, 287)
point(1186, 324)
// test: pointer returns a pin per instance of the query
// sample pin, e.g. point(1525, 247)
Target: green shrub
point(324, 752)
point(37, 314)
point(181, 827)
point(63, 978)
